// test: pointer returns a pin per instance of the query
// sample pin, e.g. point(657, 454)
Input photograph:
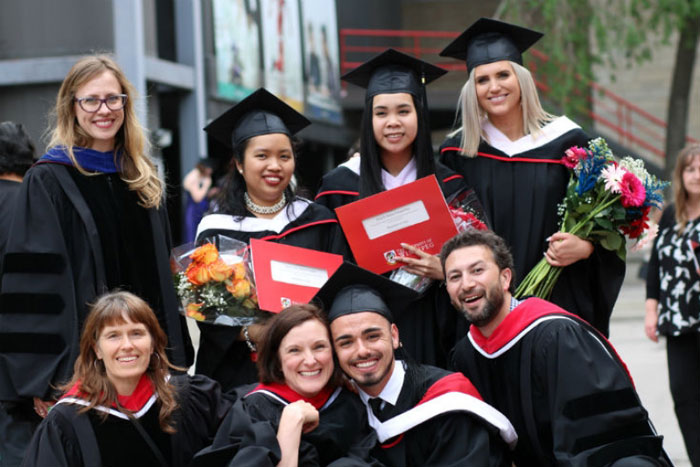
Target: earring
point(96, 364)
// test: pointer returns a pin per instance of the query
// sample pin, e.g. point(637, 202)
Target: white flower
point(636, 166)
point(612, 175)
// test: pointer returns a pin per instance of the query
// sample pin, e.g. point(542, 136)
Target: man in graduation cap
point(509, 149)
point(422, 415)
point(559, 381)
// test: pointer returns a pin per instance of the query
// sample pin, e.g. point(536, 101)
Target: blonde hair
point(472, 115)
point(89, 372)
point(680, 194)
point(137, 169)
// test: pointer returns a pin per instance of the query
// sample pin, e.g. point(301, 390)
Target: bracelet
point(248, 342)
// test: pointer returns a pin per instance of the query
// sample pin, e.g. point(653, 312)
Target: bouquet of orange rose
point(215, 285)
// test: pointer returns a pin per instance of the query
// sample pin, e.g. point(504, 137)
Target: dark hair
point(486, 238)
point(269, 365)
point(230, 198)
point(110, 309)
point(371, 163)
point(16, 149)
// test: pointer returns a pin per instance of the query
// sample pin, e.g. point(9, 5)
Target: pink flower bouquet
point(606, 203)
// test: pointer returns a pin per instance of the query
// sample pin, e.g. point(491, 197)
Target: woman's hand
point(426, 265)
point(303, 414)
point(565, 249)
point(651, 319)
point(42, 407)
point(297, 418)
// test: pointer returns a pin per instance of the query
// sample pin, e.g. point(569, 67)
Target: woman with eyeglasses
point(90, 217)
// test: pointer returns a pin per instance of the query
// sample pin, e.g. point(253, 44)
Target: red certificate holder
point(288, 275)
point(415, 213)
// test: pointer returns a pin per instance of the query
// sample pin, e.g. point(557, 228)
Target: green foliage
point(581, 34)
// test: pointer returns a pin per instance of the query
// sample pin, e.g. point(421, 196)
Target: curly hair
point(16, 149)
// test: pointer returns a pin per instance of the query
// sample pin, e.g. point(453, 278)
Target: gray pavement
point(646, 361)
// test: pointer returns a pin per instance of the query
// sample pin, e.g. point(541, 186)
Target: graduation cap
point(392, 72)
point(489, 40)
point(352, 289)
point(261, 113)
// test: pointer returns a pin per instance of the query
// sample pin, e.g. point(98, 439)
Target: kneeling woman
point(257, 200)
point(297, 415)
point(122, 406)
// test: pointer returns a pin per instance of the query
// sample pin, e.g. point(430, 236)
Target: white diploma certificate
point(396, 219)
point(296, 274)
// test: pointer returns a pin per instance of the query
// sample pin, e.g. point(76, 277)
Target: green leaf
point(604, 223)
point(611, 241)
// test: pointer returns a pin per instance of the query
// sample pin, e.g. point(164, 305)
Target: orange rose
point(205, 254)
point(197, 274)
point(239, 289)
point(192, 310)
point(238, 271)
point(219, 271)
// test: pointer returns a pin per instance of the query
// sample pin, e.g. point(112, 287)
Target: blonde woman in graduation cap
point(257, 201)
point(509, 150)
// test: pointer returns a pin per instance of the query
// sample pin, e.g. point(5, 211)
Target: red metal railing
point(615, 117)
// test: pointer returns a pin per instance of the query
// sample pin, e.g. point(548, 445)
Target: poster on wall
point(237, 48)
point(320, 33)
point(282, 51)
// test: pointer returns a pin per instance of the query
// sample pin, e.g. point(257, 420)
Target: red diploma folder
point(287, 275)
point(415, 213)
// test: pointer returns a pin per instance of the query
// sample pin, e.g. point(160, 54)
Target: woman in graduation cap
point(395, 149)
point(257, 200)
point(122, 405)
point(90, 216)
point(298, 414)
point(509, 149)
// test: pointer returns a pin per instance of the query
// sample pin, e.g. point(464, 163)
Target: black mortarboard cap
point(352, 289)
point(489, 40)
point(261, 113)
point(391, 72)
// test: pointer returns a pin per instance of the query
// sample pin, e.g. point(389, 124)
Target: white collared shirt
point(391, 391)
point(407, 175)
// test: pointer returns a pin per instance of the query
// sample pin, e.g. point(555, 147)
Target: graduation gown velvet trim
point(52, 219)
point(451, 393)
point(62, 440)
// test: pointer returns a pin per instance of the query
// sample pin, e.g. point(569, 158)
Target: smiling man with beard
point(558, 380)
point(422, 415)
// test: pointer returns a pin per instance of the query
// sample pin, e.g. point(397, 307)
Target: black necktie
point(381, 413)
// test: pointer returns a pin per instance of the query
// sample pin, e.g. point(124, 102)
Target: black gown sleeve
point(54, 443)
point(202, 410)
point(40, 297)
point(339, 187)
point(596, 415)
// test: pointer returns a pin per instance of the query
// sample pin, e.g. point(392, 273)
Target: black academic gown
point(454, 438)
point(221, 356)
point(430, 327)
point(520, 195)
point(248, 436)
point(63, 437)
point(564, 389)
point(72, 238)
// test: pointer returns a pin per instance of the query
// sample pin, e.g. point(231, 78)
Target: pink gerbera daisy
point(632, 192)
point(573, 156)
point(612, 175)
